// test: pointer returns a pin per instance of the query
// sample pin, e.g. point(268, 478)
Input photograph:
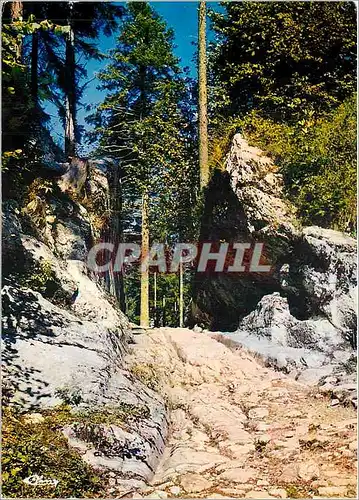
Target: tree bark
point(70, 90)
point(17, 10)
point(116, 234)
point(144, 311)
point(202, 97)
point(34, 69)
point(155, 299)
point(180, 293)
point(145, 307)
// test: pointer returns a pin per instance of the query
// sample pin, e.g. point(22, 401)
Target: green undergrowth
point(42, 278)
point(147, 374)
point(38, 447)
point(295, 491)
point(315, 154)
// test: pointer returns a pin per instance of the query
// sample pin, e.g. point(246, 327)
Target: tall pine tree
point(141, 124)
point(202, 95)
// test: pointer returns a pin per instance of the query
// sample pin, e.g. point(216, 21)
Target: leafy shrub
point(42, 278)
point(40, 448)
point(221, 138)
point(317, 157)
point(69, 396)
point(36, 202)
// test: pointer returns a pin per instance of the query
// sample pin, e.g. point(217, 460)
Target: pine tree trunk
point(144, 312)
point(17, 11)
point(155, 297)
point(180, 293)
point(34, 69)
point(202, 98)
point(70, 91)
point(118, 228)
point(164, 311)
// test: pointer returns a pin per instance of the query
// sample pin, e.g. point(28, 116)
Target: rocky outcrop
point(65, 338)
point(309, 328)
point(272, 320)
point(239, 429)
point(316, 307)
point(244, 203)
point(313, 267)
point(53, 356)
point(258, 186)
point(301, 317)
point(321, 278)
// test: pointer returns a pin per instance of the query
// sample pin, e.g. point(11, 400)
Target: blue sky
point(180, 16)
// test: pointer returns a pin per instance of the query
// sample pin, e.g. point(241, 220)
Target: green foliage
point(166, 312)
point(281, 57)
point(295, 491)
point(143, 123)
point(221, 139)
point(147, 374)
point(87, 21)
point(317, 157)
point(42, 278)
point(118, 415)
point(284, 73)
point(21, 121)
point(40, 448)
point(16, 103)
point(69, 396)
point(33, 71)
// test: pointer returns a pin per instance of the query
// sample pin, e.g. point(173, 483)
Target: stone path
point(238, 429)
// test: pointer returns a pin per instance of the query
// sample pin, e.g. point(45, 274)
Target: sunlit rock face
point(243, 203)
point(65, 337)
point(255, 180)
point(313, 276)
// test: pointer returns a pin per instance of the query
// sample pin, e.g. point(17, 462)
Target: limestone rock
point(289, 474)
point(302, 315)
point(157, 494)
point(233, 464)
point(258, 413)
point(332, 491)
point(278, 493)
point(308, 471)
point(34, 418)
point(257, 494)
point(258, 185)
point(52, 355)
point(195, 483)
point(249, 196)
point(353, 446)
point(183, 459)
point(272, 319)
point(47, 342)
point(175, 490)
point(239, 475)
point(12, 251)
point(75, 176)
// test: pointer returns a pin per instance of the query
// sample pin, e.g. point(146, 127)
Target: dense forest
point(282, 73)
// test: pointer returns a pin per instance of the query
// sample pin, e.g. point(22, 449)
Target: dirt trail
point(238, 429)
